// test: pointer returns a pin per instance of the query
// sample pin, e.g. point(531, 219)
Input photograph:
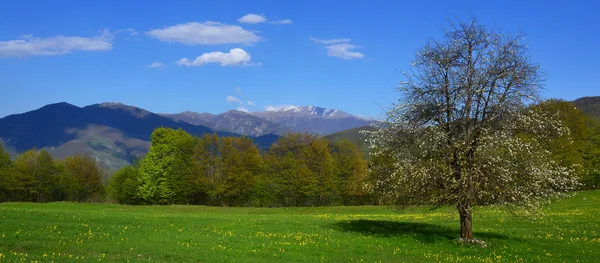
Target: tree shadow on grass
point(426, 233)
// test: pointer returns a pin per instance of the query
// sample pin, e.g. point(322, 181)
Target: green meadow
point(70, 232)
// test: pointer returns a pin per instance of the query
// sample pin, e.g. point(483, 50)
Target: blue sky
point(210, 56)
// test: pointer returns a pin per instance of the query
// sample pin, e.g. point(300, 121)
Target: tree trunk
point(466, 225)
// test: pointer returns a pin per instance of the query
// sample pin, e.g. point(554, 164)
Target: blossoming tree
point(462, 134)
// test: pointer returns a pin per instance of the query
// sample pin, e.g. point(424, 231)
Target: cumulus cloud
point(28, 45)
point(238, 90)
point(251, 103)
point(279, 107)
point(339, 47)
point(157, 65)
point(252, 19)
point(207, 33)
point(282, 22)
point(232, 99)
point(243, 109)
point(235, 57)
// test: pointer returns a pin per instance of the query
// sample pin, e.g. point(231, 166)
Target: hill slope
point(589, 105)
point(354, 135)
point(231, 121)
point(112, 132)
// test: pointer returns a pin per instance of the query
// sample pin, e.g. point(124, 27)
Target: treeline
point(579, 146)
point(298, 170)
point(35, 176)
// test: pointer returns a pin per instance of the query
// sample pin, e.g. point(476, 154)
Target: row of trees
point(298, 170)
point(35, 176)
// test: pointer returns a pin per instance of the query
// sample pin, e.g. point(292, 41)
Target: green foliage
point(590, 106)
point(356, 136)
point(82, 179)
point(351, 172)
point(166, 171)
point(592, 157)
point(242, 167)
point(293, 183)
point(37, 177)
point(5, 161)
point(123, 185)
point(209, 181)
point(579, 148)
point(7, 180)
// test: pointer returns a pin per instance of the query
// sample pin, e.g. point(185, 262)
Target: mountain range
point(116, 134)
point(311, 119)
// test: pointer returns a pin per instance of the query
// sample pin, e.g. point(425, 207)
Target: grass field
point(67, 232)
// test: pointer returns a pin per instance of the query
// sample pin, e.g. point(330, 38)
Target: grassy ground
point(67, 232)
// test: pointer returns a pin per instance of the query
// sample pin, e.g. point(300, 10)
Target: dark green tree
point(351, 172)
point(82, 179)
point(123, 185)
point(7, 180)
point(37, 176)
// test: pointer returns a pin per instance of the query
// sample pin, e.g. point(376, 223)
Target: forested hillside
point(589, 105)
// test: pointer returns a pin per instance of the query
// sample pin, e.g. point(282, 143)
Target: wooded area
point(299, 170)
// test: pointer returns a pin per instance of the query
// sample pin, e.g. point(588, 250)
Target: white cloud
point(251, 103)
point(235, 57)
point(238, 90)
point(279, 107)
point(157, 65)
point(330, 41)
point(29, 45)
point(243, 109)
point(232, 99)
point(131, 31)
point(207, 33)
point(252, 19)
point(339, 48)
point(282, 22)
point(343, 51)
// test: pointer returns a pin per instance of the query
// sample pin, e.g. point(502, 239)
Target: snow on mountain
point(276, 120)
point(306, 110)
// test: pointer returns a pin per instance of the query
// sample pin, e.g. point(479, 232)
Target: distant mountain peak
point(309, 110)
point(239, 112)
point(59, 105)
point(112, 104)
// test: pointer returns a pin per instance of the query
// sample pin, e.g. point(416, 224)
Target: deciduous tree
point(453, 133)
point(82, 178)
point(168, 168)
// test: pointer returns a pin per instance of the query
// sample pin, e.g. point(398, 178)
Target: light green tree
point(166, 171)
